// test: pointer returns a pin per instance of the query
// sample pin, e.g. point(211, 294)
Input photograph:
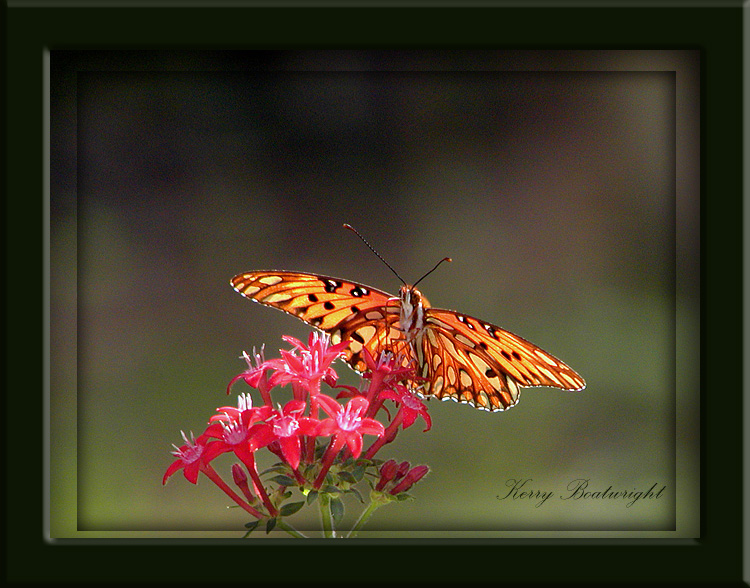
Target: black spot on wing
point(332, 285)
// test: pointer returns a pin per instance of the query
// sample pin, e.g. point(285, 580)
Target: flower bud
point(411, 478)
point(387, 471)
point(238, 474)
point(403, 467)
point(240, 478)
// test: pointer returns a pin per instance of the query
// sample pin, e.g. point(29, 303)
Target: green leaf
point(312, 496)
point(251, 527)
point(283, 480)
point(270, 525)
point(347, 462)
point(320, 451)
point(358, 472)
point(281, 468)
point(330, 489)
point(348, 477)
point(337, 509)
point(356, 493)
point(404, 496)
point(291, 508)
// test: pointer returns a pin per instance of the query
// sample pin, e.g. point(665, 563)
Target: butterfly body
point(458, 357)
point(412, 307)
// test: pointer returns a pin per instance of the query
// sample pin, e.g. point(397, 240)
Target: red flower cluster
point(298, 431)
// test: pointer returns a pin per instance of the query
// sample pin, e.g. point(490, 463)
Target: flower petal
point(294, 341)
point(371, 427)
point(308, 426)
point(192, 470)
point(327, 428)
point(358, 403)
point(354, 442)
point(329, 405)
point(427, 419)
point(173, 467)
point(290, 449)
point(260, 436)
point(294, 406)
point(214, 449)
point(409, 417)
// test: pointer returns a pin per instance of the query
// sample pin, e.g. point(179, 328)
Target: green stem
point(326, 516)
point(291, 530)
point(363, 518)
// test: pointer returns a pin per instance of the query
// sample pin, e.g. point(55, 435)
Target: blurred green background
point(560, 184)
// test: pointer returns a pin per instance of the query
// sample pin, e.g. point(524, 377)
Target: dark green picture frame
point(33, 27)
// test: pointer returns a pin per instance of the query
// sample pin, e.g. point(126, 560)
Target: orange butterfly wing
point(460, 357)
point(347, 311)
point(475, 362)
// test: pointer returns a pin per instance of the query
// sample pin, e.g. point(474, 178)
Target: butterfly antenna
point(432, 270)
point(356, 232)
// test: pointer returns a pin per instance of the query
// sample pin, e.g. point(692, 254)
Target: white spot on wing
point(367, 332)
point(512, 388)
point(451, 374)
point(480, 364)
point(544, 357)
point(465, 340)
point(439, 323)
point(276, 297)
point(447, 343)
point(270, 280)
point(549, 374)
point(571, 380)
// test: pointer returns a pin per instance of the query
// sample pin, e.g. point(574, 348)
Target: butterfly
point(459, 357)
